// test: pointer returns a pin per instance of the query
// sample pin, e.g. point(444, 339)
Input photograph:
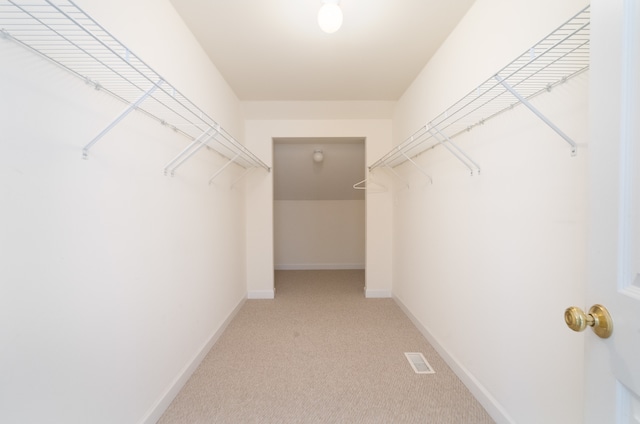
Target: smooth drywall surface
point(260, 237)
point(114, 277)
point(277, 110)
point(487, 264)
point(319, 234)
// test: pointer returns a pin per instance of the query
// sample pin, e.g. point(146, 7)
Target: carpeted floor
point(321, 353)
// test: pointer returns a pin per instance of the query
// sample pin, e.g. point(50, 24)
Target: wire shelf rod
point(539, 114)
point(508, 107)
point(529, 64)
point(188, 151)
point(101, 64)
point(500, 92)
point(455, 150)
point(222, 168)
point(412, 142)
point(68, 37)
point(127, 111)
point(418, 167)
point(555, 59)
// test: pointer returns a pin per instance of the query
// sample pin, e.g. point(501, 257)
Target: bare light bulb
point(318, 156)
point(330, 17)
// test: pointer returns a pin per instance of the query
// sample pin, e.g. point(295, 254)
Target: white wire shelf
point(561, 55)
point(63, 33)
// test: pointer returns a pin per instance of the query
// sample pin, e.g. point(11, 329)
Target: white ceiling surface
point(297, 177)
point(274, 49)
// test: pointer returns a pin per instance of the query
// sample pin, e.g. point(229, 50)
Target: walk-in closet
point(234, 211)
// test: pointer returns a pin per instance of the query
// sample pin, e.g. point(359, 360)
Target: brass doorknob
point(598, 319)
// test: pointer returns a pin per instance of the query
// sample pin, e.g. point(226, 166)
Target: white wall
point(326, 122)
point(319, 234)
point(114, 277)
point(487, 264)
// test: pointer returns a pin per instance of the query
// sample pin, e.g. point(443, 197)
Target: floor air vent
point(418, 363)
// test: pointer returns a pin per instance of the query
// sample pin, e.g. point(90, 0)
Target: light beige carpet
point(321, 353)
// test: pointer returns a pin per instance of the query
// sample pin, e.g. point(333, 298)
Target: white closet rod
point(67, 36)
point(561, 55)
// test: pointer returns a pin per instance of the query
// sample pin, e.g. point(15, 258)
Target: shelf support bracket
point(190, 150)
point(418, 167)
point(458, 152)
point(244, 174)
point(396, 174)
point(128, 110)
point(223, 167)
point(574, 147)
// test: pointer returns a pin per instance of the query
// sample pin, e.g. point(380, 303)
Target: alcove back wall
point(319, 218)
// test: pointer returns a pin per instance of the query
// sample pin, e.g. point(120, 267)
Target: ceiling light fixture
point(330, 16)
point(318, 156)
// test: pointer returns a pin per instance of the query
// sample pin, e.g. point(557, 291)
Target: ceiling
point(274, 49)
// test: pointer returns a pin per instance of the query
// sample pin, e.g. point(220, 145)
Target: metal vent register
point(419, 363)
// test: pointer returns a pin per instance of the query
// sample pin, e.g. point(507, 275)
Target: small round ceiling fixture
point(318, 156)
point(330, 16)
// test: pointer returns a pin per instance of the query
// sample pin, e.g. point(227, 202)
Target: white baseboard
point(161, 405)
point(261, 294)
point(377, 294)
point(298, 267)
point(493, 408)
